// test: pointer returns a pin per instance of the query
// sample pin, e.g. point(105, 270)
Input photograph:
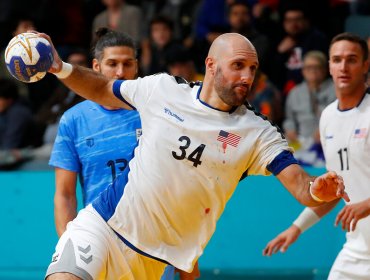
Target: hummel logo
point(86, 250)
point(87, 260)
point(169, 112)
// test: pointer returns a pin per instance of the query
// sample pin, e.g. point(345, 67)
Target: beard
point(230, 94)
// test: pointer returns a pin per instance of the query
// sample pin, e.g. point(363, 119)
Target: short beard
point(225, 91)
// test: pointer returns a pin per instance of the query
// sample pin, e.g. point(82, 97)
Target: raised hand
point(57, 64)
point(328, 187)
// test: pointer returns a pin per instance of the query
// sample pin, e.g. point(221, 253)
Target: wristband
point(314, 196)
point(65, 72)
point(306, 219)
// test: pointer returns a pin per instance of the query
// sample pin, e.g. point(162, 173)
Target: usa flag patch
point(360, 132)
point(228, 138)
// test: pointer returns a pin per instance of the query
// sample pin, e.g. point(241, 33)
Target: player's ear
point(210, 65)
point(95, 65)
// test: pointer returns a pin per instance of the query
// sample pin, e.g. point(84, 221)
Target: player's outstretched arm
point(312, 191)
point(308, 217)
point(351, 214)
point(282, 241)
point(85, 82)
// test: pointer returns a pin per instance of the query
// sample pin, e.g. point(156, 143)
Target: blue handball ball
point(28, 57)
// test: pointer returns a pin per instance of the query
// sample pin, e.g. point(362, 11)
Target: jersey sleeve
point(136, 93)
point(64, 154)
point(270, 145)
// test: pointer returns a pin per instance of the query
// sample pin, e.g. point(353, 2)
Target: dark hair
point(8, 89)
point(17, 18)
point(163, 20)
point(178, 55)
point(346, 36)
point(240, 3)
point(78, 50)
point(109, 38)
point(296, 7)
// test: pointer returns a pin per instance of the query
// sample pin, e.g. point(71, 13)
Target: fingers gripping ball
point(28, 57)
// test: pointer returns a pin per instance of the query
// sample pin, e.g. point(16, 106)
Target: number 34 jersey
point(188, 163)
point(345, 136)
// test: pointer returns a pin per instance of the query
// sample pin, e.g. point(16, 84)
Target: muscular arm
point(86, 82)
point(65, 201)
point(327, 187)
point(93, 86)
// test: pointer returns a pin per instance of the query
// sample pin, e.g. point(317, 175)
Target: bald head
point(231, 65)
point(229, 42)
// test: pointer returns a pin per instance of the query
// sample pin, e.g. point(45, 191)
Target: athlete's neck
point(349, 99)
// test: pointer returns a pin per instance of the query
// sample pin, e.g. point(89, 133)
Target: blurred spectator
point(15, 117)
point(299, 38)
point(181, 12)
point(67, 24)
point(266, 19)
point(160, 43)
point(119, 16)
point(211, 21)
point(180, 64)
point(359, 7)
point(240, 21)
point(304, 105)
point(47, 118)
point(20, 24)
point(266, 98)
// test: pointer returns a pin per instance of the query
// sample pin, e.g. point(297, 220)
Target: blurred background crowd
point(291, 37)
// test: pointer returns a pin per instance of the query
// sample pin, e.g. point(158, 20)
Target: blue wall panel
point(259, 209)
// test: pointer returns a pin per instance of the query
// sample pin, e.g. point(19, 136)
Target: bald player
point(199, 140)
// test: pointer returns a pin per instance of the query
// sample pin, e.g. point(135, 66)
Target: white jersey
point(179, 185)
point(345, 139)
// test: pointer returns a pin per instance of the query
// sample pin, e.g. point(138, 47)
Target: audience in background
point(282, 31)
point(15, 117)
point(266, 98)
point(180, 63)
point(303, 108)
point(241, 21)
point(121, 17)
point(299, 38)
point(181, 12)
point(160, 43)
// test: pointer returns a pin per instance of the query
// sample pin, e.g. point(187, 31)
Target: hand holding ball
point(28, 57)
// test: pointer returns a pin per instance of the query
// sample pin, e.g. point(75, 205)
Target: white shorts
point(347, 267)
point(90, 249)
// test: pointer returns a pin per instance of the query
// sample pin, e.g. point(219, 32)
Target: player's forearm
point(65, 210)
point(325, 208)
point(92, 85)
point(297, 182)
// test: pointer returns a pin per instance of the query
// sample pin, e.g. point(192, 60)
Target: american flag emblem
point(228, 138)
point(360, 132)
